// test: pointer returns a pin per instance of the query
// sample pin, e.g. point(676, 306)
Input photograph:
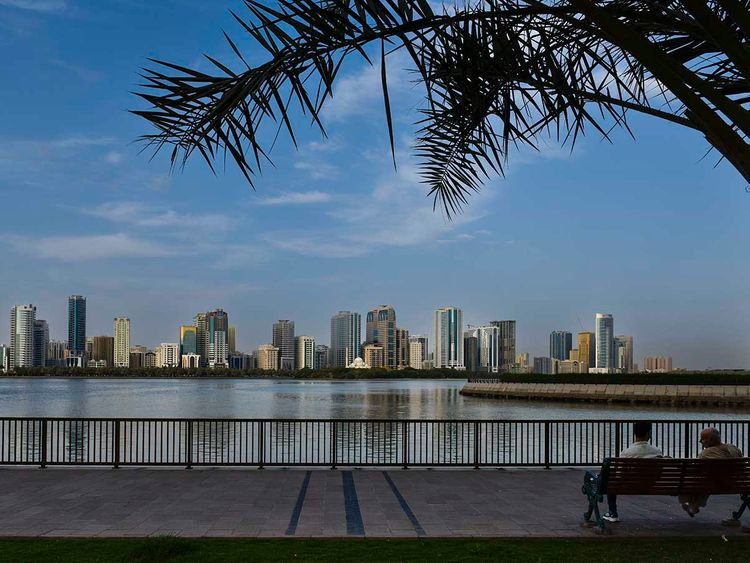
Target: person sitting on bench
point(640, 448)
point(713, 448)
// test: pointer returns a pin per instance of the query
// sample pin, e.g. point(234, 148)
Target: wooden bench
point(667, 476)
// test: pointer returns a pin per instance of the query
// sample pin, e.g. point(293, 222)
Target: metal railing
point(333, 443)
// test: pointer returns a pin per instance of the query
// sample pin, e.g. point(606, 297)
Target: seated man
point(713, 448)
point(639, 448)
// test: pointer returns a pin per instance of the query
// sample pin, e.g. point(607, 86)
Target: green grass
point(173, 549)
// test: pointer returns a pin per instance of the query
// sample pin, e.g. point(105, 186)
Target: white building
point(416, 352)
point(168, 355)
point(449, 345)
point(122, 342)
point(22, 318)
point(4, 359)
point(191, 360)
point(605, 344)
point(304, 357)
point(488, 342)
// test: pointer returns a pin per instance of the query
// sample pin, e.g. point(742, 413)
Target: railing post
point(618, 439)
point(476, 445)
point(686, 440)
point(189, 445)
point(405, 444)
point(116, 446)
point(261, 444)
point(334, 445)
point(547, 445)
point(44, 445)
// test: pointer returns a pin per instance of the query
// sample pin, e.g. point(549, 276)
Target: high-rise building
point(201, 337)
point(188, 340)
point(149, 359)
point(217, 325)
point(283, 339)
point(122, 342)
point(489, 348)
point(76, 326)
point(138, 356)
point(322, 356)
point(104, 350)
point(522, 359)
point(471, 351)
point(417, 352)
point(89, 348)
point(346, 338)
point(624, 353)
point(605, 349)
point(168, 355)
point(381, 329)
point(305, 356)
point(507, 344)
point(268, 357)
point(402, 348)
point(232, 336)
point(657, 364)
point(56, 353)
point(41, 342)
point(573, 356)
point(4, 358)
point(560, 344)
point(544, 366)
point(22, 318)
point(449, 346)
point(374, 355)
point(587, 349)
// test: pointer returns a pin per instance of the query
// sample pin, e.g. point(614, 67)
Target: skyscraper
point(346, 338)
point(322, 356)
point(449, 346)
point(381, 329)
point(283, 339)
point(168, 355)
point(41, 342)
point(104, 350)
point(488, 348)
point(122, 342)
point(507, 344)
point(417, 351)
point(22, 319)
point(560, 344)
point(268, 357)
point(232, 336)
point(56, 352)
point(188, 340)
point(201, 337)
point(217, 325)
point(624, 353)
point(471, 351)
point(402, 348)
point(76, 326)
point(305, 352)
point(605, 351)
point(587, 350)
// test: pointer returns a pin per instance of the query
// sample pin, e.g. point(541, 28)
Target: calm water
point(248, 398)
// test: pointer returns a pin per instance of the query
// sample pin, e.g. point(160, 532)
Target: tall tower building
point(322, 356)
point(22, 319)
point(201, 337)
point(402, 348)
point(188, 340)
point(217, 326)
point(449, 346)
point(283, 339)
point(346, 338)
point(76, 326)
point(624, 353)
point(232, 336)
point(381, 330)
point(122, 342)
point(587, 350)
point(417, 351)
point(56, 352)
point(305, 354)
point(560, 344)
point(605, 349)
point(507, 344)
point(488, 348)
point(41, 342)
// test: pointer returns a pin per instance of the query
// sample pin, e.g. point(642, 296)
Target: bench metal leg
point(589, 489)
point(745, 504)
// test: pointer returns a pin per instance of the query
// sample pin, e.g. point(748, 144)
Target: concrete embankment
point(720, 395)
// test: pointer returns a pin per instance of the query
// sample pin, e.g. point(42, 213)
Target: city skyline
point(641, 229)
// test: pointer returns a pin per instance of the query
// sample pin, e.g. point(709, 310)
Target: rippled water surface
point(253, 398)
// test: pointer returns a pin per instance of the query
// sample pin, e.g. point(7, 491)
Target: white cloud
point(320, 245)
point(36, 5)
point(296, 198)
point(317, 170)
point(140, 215)
point(113, 157)
point(89, 247)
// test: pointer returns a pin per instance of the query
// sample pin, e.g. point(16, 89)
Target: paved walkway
point(325, 503)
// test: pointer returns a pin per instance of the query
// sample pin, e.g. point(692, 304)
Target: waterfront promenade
point(129, 502)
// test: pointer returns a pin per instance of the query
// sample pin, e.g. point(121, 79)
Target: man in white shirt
point(640, 448)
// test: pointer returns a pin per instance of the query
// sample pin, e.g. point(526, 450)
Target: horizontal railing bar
point(391, 420)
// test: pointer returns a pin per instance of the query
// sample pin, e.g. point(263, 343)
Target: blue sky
point(647, 229)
